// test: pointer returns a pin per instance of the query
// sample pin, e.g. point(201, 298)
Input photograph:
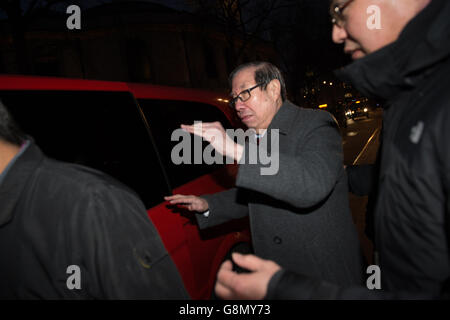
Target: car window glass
point(165, 116)
point(102, 130)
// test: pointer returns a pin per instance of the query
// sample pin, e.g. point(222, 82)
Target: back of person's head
point(264, 73)
point(9, 131)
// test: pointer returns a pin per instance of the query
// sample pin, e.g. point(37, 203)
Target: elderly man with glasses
point(406, 63)
point(300, 216)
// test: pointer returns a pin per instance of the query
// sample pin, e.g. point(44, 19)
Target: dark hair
point(264, 73)
point(9, 131)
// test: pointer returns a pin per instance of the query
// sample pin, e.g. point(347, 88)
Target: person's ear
point(274, 89)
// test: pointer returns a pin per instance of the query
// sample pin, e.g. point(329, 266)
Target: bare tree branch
point(31, 8)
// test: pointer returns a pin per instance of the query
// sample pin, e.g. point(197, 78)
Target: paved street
point(360, 143)
point(356, 136)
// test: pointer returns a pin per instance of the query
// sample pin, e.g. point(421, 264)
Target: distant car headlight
point(365, 109)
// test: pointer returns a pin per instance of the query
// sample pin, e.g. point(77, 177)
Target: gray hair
point(264, 73)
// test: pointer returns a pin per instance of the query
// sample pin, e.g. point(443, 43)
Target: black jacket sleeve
point(362, 179)
point(122, 255)
point(286, 285)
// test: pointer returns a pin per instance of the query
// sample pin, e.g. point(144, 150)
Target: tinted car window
point(165, 116)
point(102, 130)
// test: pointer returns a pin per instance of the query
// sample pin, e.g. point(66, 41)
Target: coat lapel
point(283, 121)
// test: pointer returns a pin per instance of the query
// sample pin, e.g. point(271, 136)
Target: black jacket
point(363, 181)
point(55, 215)
point(412, 210)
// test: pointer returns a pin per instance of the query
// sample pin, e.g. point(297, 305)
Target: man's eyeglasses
point(337, 13)
point(243, 95)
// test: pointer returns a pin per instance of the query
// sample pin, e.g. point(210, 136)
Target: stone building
point(135, 42)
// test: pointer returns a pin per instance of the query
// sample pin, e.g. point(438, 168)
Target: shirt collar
point(260, 135)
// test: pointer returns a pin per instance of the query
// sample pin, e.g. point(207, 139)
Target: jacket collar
point(424, 43)
point(16, 180)
point(284, 118)
point(11, 163)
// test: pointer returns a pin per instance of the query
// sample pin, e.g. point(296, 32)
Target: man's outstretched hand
point(190, 202)
point(215, 134)
point(253, 285)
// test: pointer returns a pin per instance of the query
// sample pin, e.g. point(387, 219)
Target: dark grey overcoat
point(300, 216)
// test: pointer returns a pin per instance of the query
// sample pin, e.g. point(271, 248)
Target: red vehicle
point(125, 129)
